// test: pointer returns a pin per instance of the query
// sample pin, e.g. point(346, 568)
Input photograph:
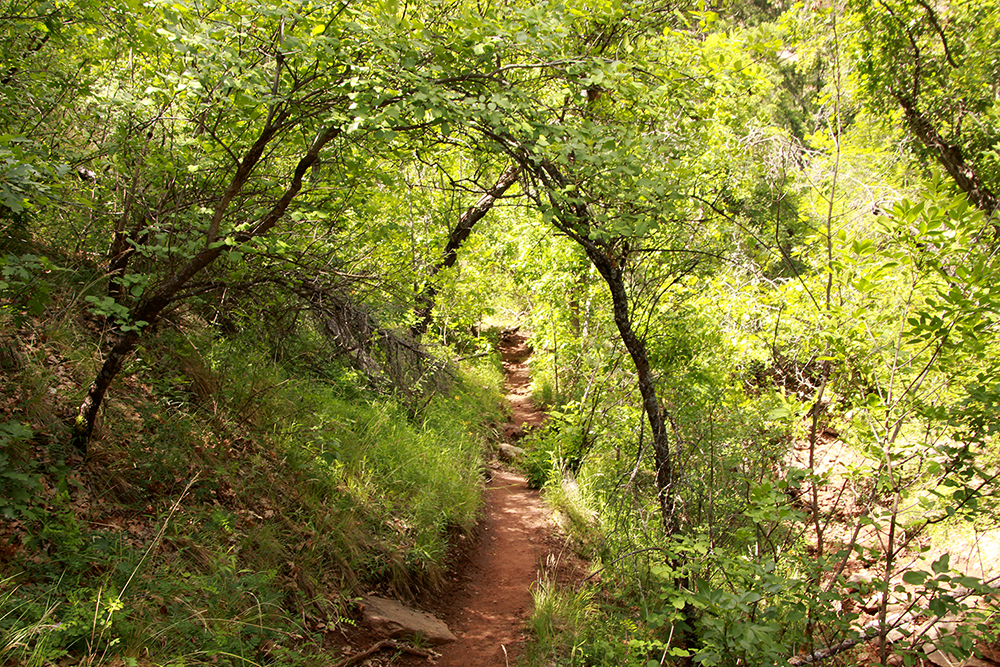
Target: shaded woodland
point(255, 258)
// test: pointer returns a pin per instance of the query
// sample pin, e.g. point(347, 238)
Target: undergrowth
point(232, 505)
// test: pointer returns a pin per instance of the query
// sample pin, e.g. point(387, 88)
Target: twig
point(617, 560)
point(385, 643)
point(873, 629)
point(153, 545)
point(159, 535)
point(868, 631)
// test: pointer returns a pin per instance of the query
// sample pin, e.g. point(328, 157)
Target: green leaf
point(942, 564)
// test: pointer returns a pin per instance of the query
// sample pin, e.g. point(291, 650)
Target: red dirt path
point(488, 600)
point(492, 598)
point(515, 351)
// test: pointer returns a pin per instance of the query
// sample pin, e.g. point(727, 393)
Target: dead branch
point(868, 631)
point(385, 643)
point(906, 622)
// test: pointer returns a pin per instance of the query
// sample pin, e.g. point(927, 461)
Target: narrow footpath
point(488, 600)
point(515, 352)
point(492, 598)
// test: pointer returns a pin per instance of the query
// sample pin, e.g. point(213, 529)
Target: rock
point(859, 578)
point(939, 658)
point(509, 452)
point(942, 659)
point(390, 618)
point(896, 635)
point(945, 626)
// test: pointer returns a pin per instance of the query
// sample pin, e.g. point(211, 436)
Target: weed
point(565, 624)
point(18, 483)
point(579, 519)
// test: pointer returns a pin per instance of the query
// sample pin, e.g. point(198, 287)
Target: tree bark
point(636, 346)
point(950, 156)
point(149, 309)
point(425, 300)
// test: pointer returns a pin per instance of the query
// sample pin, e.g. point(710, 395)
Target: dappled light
point(608, 332)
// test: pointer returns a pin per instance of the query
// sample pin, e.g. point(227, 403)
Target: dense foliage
point(756, 246)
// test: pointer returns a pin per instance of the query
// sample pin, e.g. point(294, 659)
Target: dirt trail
point(488, 600)
point(515, 352)
point(492, 597)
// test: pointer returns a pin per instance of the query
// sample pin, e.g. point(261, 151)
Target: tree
point(612, 161)
point(463, 227)
point(939, 67)
point(256, 94)
point(275, 98)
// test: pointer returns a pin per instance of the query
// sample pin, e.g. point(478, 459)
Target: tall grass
point(308, 486)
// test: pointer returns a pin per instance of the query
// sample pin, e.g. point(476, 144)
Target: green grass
point(233, 506)
point(574, 626)
point(561, 615)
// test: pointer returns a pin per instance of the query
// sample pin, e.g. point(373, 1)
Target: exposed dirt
point(845, 495)
point(490, 598)
point(514, 350)
point(487, 601)
point(843, 498)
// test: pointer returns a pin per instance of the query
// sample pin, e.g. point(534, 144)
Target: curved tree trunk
point(148, 311)
point(636, 346)
point(950, 156)
point(425, 300)
point(610, 259)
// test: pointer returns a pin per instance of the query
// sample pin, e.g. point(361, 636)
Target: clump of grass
point(559, 623)
point(576, 516)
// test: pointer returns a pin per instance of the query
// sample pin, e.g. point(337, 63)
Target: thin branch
point(618, 560)
point(932, 17)
point(385, 643)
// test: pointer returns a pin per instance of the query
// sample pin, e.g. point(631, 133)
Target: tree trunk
point(83, 428)
point(636, 346)
point(610, 263)
point(425, 300)
point(148, 311)
point(950, 156)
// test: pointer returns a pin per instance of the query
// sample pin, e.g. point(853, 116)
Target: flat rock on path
point(392, 619)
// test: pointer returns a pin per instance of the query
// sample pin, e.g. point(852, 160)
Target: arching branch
point(466, 221)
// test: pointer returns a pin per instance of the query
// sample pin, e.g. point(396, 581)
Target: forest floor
point(844, 498)
point(487, 600)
